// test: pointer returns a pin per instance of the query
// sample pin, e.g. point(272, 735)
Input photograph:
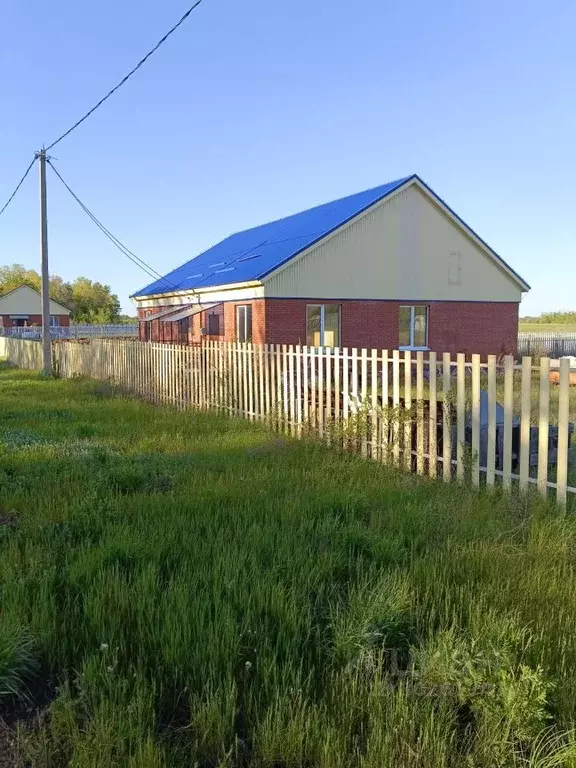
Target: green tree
point(94, 302)
point(14, 275)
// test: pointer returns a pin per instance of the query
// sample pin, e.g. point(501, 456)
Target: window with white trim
point(244, 322)
point(323, 325)
point(54, 321)
point(413, 327)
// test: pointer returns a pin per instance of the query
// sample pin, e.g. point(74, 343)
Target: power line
point(13, 195)
point(128, 76)
point(150, 271)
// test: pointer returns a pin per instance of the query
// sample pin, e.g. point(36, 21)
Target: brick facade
point(471, 327)
point(7, 322)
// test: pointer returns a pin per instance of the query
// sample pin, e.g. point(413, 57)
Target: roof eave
point(201, 290)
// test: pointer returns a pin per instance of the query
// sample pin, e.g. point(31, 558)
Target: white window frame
point(410, 347)
point(244, 307)
point(54, 324)
point(322, 311)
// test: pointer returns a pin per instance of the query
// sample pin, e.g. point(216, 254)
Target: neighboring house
point(391, 267)
point(23, 307)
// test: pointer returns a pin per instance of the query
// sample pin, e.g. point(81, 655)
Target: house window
point(454, 268)
point(54, 321)
point(323, 325)
point(184, 328)
point(244, 322)
point(214, 324)
point(413, 330)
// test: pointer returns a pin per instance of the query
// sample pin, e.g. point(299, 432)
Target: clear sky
point(257, 109)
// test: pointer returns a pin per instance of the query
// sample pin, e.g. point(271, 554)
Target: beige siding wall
point(406, 248)
point(25, 301)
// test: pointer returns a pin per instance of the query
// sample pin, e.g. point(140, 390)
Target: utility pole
point(45, 286)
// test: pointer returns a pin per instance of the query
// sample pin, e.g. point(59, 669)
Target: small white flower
point(104, 646)
point(248, 664)
point(109, 669)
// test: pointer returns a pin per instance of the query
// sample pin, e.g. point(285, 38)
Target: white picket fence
point(122, 330)
point(485, 422)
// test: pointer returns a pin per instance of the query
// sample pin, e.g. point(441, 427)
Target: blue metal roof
point(252, 254)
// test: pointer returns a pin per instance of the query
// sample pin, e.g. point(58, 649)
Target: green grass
point(547, 327)
point(194, 591)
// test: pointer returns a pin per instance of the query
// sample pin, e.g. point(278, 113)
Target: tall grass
point(203, 594)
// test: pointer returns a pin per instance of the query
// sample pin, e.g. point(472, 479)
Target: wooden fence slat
point(285, 386)
point(475, 441)
point(354, 388)
point(267, 371)
point(446, 417)
point(336, 385)
point(491, 437)
point(460, 413)
point(251, 388)
point(278, 421)
point(374, 410)
point(363, 400)
point(313, 385)
point(291, 393)
point(543, 426)
point(298, 353)
point(432, 415)
point(508, 413)
point(320, 406)
point(306, 385)
point(396, 405)
point(563, 417)
point(345, 387)
point(328, 421)
point(407, 409)
point(261, 386)
point(420, 413)
point(525, 422)
point(385, 412)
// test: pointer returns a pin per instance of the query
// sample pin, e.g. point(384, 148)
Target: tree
point(94, 302)
point(90, 302)
point(14, 275)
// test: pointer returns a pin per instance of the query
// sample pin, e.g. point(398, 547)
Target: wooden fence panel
point(325, 388)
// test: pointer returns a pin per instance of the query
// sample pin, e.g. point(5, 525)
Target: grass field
point(180, 589)
point(546, 328)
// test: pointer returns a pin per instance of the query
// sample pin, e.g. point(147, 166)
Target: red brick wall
point(471, 327)
point(7, 322)
point(165, 331)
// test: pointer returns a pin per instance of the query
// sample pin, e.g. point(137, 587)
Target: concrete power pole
point(45, 287)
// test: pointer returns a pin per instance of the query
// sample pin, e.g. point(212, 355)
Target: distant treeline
point(559, 318)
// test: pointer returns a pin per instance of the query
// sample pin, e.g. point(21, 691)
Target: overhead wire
point(128, 76)
point(144, 266)
point(13, 195)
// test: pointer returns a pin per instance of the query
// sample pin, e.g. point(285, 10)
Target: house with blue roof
point(392, 267)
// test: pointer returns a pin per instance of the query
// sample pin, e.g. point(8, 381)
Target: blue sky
point(257, 109)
